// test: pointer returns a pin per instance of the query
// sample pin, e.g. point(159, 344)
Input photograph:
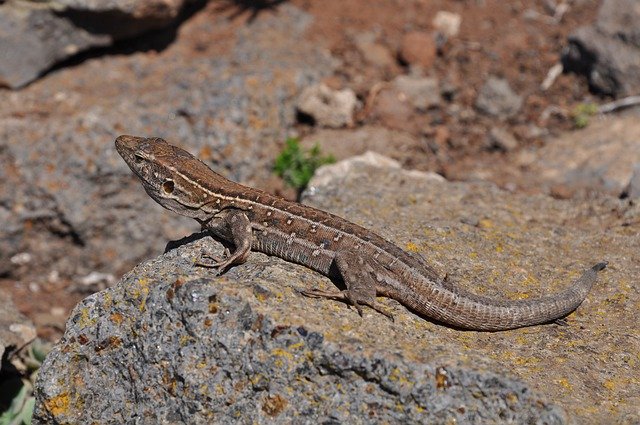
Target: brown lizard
point(368, 265)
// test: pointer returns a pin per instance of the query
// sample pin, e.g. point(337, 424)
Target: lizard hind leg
point(358, 276)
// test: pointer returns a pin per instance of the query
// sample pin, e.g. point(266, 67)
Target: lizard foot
point(214, 262)
point(344, 297)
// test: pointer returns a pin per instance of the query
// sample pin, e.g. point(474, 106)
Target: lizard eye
point(138, 158)
point(168, 187)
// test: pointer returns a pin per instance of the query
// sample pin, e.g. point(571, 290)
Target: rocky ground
point(222, 346)
point(469, 90)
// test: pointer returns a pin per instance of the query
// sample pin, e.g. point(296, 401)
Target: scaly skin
point(369, 266)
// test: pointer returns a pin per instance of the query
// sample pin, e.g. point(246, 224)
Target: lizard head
point(171, 176)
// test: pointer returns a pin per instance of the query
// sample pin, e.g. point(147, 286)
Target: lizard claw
point(213, 262)
point(344, 296)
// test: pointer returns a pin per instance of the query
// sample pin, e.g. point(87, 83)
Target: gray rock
point(328, 107)
point(421, 92)
point(36, 35)
point(16, 330)
point(608, 51)
point(170, 344)
point(173, 343)
point(496, 98)
point(69, 202)
point(599, 158)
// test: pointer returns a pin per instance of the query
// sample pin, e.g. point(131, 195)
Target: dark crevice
point(125, 44)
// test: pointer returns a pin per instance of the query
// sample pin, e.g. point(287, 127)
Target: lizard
point(368, 266)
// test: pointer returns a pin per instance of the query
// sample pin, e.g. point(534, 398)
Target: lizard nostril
point(168, 187)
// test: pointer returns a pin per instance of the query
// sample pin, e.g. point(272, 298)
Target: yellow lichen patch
point(499, 248)
point(85, 318)
point(144, 292)
point(609, 384)
point(485, 223)
point(58, 405)
point(526, 361)
point(564, 382)
point(512, 399)
point(108, 300)
point(296, 345)
point(185, 340)
point(261, 297)
point(402, 380)
point(279, 352)
point(411, 247)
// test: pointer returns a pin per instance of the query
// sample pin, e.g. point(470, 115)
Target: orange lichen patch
point(274, 404)
point(110, 342)
point(213, 304)
point(58, 405)
point(116, 318)
point(442, 378)
point(206, 153)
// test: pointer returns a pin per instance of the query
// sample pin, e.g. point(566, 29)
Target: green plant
point(20, 410)
point(296, 166)
point(582, 112)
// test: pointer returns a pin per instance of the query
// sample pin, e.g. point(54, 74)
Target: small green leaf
point(296, 167)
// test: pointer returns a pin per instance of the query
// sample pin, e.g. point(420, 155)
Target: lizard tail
point(470, 311)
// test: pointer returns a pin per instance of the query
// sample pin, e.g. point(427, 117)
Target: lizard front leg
point(359, 277)
point(231, 225)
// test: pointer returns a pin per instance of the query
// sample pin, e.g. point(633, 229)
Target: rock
point(599, 158)
point(158, 10)
point(608, 51)
point(326, 175)
point(418, 49)
point(447, 23)
point(496, 98)
point(327, 107)
point(502, 139)
point(173, 341)
point(422, 93)
point(392, 109)
point(16, 330)
point(69, 204)
point(373, 52)
point(36, 35)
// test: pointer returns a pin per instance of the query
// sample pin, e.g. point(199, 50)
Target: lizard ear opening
point(168, 187)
